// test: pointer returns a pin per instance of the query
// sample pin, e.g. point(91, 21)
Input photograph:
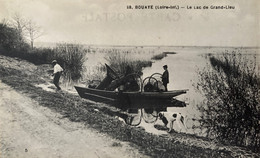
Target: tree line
point(22, 29)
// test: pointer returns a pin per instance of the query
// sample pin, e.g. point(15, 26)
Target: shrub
point(231, 112)
point(94, 75)
point(8, 37)
point(13, 44)
point(37, 56)
point(121, 60)
point(71, 57)
point(11, 40)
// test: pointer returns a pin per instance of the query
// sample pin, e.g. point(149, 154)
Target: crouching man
point(168, 119)
point(57, 70)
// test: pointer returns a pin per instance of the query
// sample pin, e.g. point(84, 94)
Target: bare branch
point(19, 23)
point(26, 28)
point(33, 31)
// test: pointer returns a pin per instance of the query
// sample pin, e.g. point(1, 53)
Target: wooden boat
point(133, 100)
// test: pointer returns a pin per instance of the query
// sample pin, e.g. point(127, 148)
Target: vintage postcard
point(129, 78)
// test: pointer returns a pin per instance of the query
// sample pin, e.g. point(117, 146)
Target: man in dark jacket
point(165, 77)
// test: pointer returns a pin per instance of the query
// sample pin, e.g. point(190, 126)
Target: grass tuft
point(71, 57)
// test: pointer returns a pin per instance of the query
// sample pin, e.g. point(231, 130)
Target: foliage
point(159, 56)
point(11, 39)
point(71, 57)
point(12, 44)
point(36, 56)
point(121, 61)
point(231, 112)
point(94, 76)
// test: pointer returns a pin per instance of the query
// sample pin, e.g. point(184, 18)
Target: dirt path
point(29, 130)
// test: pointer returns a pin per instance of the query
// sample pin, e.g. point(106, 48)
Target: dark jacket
point(165, 76)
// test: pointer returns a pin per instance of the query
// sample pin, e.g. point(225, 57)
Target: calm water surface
point(182, 68)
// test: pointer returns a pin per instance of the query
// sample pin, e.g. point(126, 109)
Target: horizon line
point(113, 45)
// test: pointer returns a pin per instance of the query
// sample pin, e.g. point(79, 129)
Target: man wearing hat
point(57, 70)
point(165, 77)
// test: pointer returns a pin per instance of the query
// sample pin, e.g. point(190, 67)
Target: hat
point(165, 66)
point(160, 114)
point(54, 61)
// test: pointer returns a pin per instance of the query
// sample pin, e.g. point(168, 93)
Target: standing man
point(165, 77)
point(57, 70)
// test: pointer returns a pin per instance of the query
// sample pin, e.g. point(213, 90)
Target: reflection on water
point(182, 68)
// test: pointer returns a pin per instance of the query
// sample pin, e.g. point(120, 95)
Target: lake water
point(182, 68)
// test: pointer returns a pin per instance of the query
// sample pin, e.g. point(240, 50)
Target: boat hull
point(133, 100)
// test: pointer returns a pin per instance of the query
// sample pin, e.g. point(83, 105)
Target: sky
point(109, 22)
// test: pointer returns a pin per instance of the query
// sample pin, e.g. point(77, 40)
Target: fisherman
point(165, 77)
point(57, 71)
point(169, 118)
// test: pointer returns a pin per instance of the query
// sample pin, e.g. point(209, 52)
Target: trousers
point(165, 85)
point(56, 80)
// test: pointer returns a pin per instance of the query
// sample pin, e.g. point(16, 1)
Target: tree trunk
point(32, 44)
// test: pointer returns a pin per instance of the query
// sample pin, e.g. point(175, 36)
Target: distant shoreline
point(52, 44)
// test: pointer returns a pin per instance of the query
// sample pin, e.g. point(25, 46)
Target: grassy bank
point(70, 56)
point(79, 110)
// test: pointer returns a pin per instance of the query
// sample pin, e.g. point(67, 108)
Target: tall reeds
point(71, 57)
point(122, 61)
point(231, 112)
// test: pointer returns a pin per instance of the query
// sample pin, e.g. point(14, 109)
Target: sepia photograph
point(129, 78)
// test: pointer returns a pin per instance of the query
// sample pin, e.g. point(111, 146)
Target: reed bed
point(231, 84)
point(121, 62)
point(94, 75)
point(71, 57)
